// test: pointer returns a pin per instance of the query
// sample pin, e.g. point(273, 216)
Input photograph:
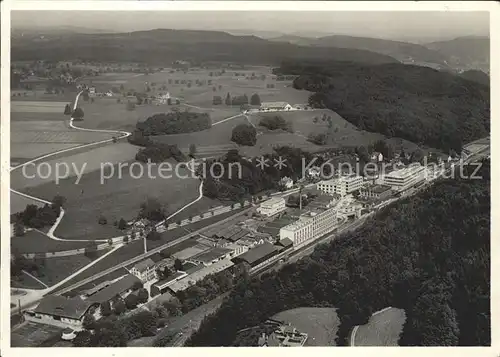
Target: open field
point(118, 197)
point(382, 329)
point(40, 95)
point(57, 268)
point(51, 132)
point(37, 107)
point(32, 334)
point(26, 282)
point(36, 242)
point(320, 323)
point(341, 133)
point(267, 141)
point(18, 203)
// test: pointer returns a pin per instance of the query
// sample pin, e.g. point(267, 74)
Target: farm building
point(58, 310)
point(275, 106)
point(144, 270)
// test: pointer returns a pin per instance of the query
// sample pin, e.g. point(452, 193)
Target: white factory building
point(272, 206)
point(310, 226)
point(341, 186)
point(403, 179)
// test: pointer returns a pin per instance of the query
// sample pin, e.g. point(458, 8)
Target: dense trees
point(77, 113)
point(419, 104)
point(428, 254)
point(240, 178)
point(38, 217)
point(157, 152)
point(175, 123)
point(244, 134)
point(276, 122)
point(152, 210)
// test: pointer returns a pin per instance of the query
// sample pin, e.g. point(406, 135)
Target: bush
point(102, 220)
point(122, 224)
point(142, 296)
point(131, 301)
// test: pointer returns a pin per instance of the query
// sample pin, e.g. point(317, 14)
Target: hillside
point(438, 272)
point(419, 104)
point(465, 52)
point(402, 51)
point(161, 46)
point(476, 76)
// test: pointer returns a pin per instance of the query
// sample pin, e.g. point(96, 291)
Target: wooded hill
point(420, 104)
point(159, 46)
point(428, 254)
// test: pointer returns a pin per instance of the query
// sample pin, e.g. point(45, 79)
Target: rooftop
point(285, 242)
point(272, 201)
point(118, 287)
point(176, 276)
point(273, 104)
point(96, 288)
point(259, 252)
point(56, 305)
point(409, 170)
point(144, 265)
point(191, 279)
point(211, 254)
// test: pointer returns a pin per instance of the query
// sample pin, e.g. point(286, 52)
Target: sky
point(383, 24)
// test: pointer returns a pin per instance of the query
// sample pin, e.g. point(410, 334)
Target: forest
point(428, 254)
point(428, 107)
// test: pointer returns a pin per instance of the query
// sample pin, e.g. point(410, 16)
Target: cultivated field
point(32, 334)
point(382, 329)
point(321, 324)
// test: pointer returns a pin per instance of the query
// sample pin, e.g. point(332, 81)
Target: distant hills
point(465, 52)
point(434, 108)
point(459, 53)
point(164, 45)
point(402, 51)
point(476, 76)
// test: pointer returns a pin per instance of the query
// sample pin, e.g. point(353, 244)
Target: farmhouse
point(144, 270)
point(275, 106)
point(59, 310)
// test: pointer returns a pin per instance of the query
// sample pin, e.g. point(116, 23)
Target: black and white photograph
point(270, 175)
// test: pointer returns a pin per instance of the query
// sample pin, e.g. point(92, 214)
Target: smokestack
point(145, 244)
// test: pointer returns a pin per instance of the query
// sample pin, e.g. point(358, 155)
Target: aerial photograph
point(249, 178)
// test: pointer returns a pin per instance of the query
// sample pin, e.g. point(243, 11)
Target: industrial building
point(258, 256)
point(403, 179)
point(272, 206)
point(379, 192)
point(311, 225)
point(161, 286)
point(342, 185)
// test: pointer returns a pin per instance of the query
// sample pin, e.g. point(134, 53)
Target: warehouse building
point(403, 179)
point(342, 185)
point(258, 256)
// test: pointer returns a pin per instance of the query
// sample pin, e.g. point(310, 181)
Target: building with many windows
point(342, 185)
point(403, 179)
point(272, 206)
point(144, 270)
point(310, 226)
point(379, 192)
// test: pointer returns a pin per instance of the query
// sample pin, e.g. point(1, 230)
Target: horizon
point(405, 26)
